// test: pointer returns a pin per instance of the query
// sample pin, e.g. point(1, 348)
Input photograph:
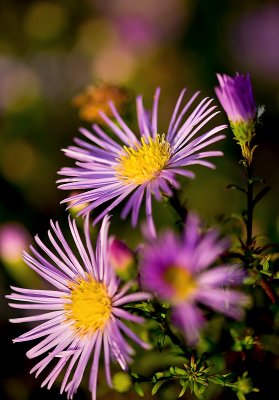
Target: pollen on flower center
point(90, 306)
point(180, 280)
point(144, 161)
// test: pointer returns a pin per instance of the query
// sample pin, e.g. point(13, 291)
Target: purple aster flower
point(177, 270)
point(236, 96)
point(82, 315)
point(108, 171)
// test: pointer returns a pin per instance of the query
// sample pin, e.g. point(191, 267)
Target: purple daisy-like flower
point(82, 315)
point(236, 96)
point(177, 270)
point(108, 171)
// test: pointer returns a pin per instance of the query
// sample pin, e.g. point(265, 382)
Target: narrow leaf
point(261, 194)
point(138, 389)
point(157, 386)
point(183, 389)
point(232, 186)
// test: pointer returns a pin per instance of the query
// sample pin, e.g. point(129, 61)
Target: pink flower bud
point(121, 257)
point(13, 240)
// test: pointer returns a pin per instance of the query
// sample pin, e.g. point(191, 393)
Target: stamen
point(90, 306)
point(143, 162)
point(181, 281)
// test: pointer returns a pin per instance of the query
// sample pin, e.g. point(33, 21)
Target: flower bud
point(236, 97)
point(121, 258)
point(14, 238)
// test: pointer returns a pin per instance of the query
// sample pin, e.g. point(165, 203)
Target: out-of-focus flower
point(254, 41)
point(108, 172)
point(177, 270)
point(160, 21)
point(14, 238)
point(20, 86)
point(243, 386)
point(236, 96)
point(96, 98)
point(82, 315)
point(121, 258)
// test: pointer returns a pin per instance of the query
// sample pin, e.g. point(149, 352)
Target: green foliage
point(196, 376)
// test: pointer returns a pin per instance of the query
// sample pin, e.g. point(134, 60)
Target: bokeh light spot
point(44, 21)
point(18, 161)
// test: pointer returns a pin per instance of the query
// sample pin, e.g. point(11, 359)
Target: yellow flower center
point(90, 306)
point(143, 162)
point(181, 281)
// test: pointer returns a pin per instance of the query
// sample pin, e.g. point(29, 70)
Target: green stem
point(177, 206)
point(250, 206)
point(168, 331)
point(139, 378)
point(176, 341)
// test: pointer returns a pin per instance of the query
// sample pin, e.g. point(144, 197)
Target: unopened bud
point(121, 258)
point(14, 238)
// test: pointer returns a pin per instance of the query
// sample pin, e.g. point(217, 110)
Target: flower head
point(82, 314)
point(108, 171)
point(236, 96)
point(176, 270)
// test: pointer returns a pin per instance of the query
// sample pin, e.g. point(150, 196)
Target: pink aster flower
point(177, 270)
point(108, 171)
point(82, 315)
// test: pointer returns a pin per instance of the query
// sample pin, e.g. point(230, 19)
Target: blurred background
point(53, 56)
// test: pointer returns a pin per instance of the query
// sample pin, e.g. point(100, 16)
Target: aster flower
point(107, 171)
point(176, 269)
point(236, 96)
point(83, 314)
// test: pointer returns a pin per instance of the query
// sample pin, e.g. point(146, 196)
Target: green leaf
point(157, 376)
point(257, 179)
point(177, 371)
point(240, 396)
point(157, 386)
point(232, 186)
point(261, 194)
point(183, 389)
point(138, 389)
point(161, 341)
point(197, 391)
point(223, 380)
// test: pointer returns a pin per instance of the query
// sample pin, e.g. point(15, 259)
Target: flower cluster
point(87, 310)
